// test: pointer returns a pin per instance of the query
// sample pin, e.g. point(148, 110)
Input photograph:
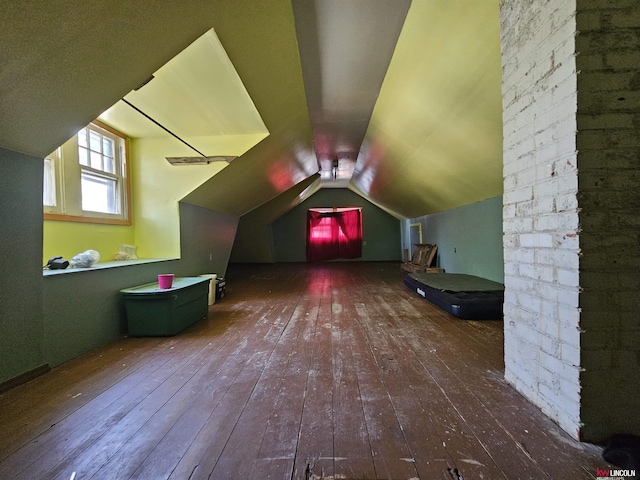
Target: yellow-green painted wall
point(69, 238)
point(158, 186)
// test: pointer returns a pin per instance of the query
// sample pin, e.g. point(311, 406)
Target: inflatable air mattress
point(463, 296)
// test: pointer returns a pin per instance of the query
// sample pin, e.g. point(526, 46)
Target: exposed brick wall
point(571, 113)
point(608, 142)
point(540, 213)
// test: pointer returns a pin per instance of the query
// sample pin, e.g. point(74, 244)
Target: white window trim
point(69, 198)
point(55, 182)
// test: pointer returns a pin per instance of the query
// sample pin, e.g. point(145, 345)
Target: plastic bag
point(85, 259)
point(127, 252)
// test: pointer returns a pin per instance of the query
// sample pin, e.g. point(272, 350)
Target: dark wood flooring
point(327, 371)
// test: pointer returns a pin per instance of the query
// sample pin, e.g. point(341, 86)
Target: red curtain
point(334, 234)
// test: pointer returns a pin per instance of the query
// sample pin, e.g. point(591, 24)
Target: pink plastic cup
point(165, 280)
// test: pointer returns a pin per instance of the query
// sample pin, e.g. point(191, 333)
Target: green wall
point(49, 319)
point(254, 237)
point(206, 238)
point(21, 310)
point(469, 238)
point(84, 309)
point(380, 231)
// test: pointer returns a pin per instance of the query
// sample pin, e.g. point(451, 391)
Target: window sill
point(78, 219)
point(106, 265)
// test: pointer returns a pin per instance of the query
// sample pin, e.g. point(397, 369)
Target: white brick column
point(571, 114)
point(540, 216)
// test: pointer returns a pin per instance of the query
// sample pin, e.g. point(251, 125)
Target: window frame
point(55, 181)
point(68, 177)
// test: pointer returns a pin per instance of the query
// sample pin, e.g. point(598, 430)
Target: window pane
point(109, 164)
point(96, 160)
point(107, 147)
point(82, 137)
point(49, 184)
point(83, 156)
point(98, 193)
point(94, 141)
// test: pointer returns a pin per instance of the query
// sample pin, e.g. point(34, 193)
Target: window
point(334, 233)
point(49, 190)
point(325, 230)
point(85, 180)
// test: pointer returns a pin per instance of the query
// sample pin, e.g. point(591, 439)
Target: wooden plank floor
point(326, 371)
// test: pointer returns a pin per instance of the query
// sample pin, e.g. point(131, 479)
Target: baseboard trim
point(24, 378)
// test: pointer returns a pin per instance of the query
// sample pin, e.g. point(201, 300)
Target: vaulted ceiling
point(397, 100)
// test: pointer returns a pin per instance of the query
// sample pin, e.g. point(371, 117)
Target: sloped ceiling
point(260, 39)
point(433, 140)
point(199, 95)
point(345, 50)
point(64, 63)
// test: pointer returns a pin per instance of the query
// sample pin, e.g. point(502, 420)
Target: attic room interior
point(504, 132)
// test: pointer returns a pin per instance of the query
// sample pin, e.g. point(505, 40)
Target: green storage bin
point(155, 312)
